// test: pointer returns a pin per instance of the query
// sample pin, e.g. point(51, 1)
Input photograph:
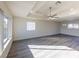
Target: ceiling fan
point(50, 15)
point(55, 15)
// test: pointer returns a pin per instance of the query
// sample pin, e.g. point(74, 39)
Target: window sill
point(7, 43)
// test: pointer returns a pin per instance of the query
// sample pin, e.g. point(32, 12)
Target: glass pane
point(30, 26)
point(70, 26)
point(76, 26)
point(5, 30)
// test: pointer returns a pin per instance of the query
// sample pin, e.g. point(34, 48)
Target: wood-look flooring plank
point(46, 47)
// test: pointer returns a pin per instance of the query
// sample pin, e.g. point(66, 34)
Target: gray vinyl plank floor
point(59, 46)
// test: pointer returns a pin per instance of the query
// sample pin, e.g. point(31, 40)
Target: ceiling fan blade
point(52, 19)
point(54, 15)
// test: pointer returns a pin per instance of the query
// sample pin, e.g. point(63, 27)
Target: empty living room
point(39, 29)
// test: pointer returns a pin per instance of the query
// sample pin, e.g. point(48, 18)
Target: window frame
point(73, 26)
point(31, 26)
point(5, 25)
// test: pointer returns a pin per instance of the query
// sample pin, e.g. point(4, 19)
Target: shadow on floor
point(19, 50)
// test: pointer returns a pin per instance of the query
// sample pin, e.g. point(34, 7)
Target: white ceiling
point(40, 10)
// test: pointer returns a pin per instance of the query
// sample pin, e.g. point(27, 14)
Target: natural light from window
point(76, 26)
point(70, 26)
point(73, 26)
point(5, 22)
point(64, 24)
point(5, 31)
point(30, 26)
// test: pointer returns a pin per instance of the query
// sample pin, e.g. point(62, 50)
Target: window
point(30, 26)
point(70, 26)
point(74, 26)
point(64, 24)
point(5, 34)
point(5, 30)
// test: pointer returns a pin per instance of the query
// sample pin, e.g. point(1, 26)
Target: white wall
point(4, 52)
point(43, 28)
point(70, 31)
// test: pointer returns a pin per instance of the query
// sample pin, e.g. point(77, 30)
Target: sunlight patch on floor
point(44, 51)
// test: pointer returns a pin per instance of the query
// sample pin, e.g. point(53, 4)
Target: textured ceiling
point(40, 9)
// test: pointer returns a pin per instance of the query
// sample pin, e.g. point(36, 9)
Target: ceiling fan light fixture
point(50, 11)
point(50, 17)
